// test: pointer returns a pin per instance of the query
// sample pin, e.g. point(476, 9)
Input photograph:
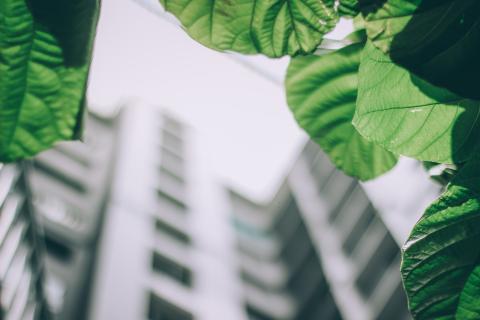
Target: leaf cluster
point(405, 85)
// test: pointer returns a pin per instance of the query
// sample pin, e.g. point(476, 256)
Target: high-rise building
point(322, 247)
point(177, 245)
point(70, 187)
point(319, 245)
point(167, 247)
point(21, 266)
point(281, 271)
point(131, 224)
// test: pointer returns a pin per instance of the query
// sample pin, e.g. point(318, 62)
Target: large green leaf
point(438, 39)
point(272, 27)
point(441, 259)
point(44, 58)
point(321, 91)
point(410, 116)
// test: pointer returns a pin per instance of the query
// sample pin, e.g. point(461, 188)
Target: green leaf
point(441, 258)
point(349, 8)
point(44, 58)
point(437, 39)
point(441, 173)
point(412, 117)
point(321, 92)
point(272, 27)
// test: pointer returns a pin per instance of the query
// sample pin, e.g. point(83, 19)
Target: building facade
point(22, 294)
point(360, 256)
point(281, 271)
point(70, 186)
point(131, 224)
point(166, 250)
point(319, 249)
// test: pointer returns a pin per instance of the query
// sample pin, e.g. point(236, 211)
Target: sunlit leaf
point(44, 58)
point(272, 27)
point(412, 117)
point(321, 92)
point(441, 259)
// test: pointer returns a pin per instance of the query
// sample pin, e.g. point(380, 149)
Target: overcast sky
point(251, 134)
point(242, 116)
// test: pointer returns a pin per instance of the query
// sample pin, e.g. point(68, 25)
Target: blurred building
point(21, 266)
point(167, 247)
point(131, 224)
point(280, 268)
point(320, 247)
point(70, 186)
point(170, 250)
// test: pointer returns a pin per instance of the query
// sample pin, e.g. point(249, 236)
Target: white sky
point(251, 134)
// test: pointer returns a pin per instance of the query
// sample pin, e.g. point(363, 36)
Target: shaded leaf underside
point(439, 40)
point(348, 8)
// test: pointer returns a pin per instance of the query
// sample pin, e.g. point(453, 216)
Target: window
point(160, 309)
point(172, 162)
point(396, 307)
point(166, 173)
point(254, 281)
point(172, 125)
point(255, 314)
point(74, 154)
point(336, 190)
point(296, 248)
point(288, 220)
point(353, 205)
point(58, 210)
point(383, 257)
point(58, 249)
point(249, 230)
point(169, 267)
point(320, 306)
point(172, 142)
point(171, 155)
point(167, 198)
point(360, 227)
point(303, 283)
point(171, 231)
point(63, 177)
point(322, 169)
point(310, 152)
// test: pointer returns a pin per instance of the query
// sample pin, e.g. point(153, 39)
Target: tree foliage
point(409, 87)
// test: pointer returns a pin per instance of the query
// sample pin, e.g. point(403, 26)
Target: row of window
point(171, 191)
point(365, 239)
point(176, 271)
point(64, 177)
point(70, 184)
point(172, 182)
point(172, 198)
point(305, 282)
point(21, 294)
